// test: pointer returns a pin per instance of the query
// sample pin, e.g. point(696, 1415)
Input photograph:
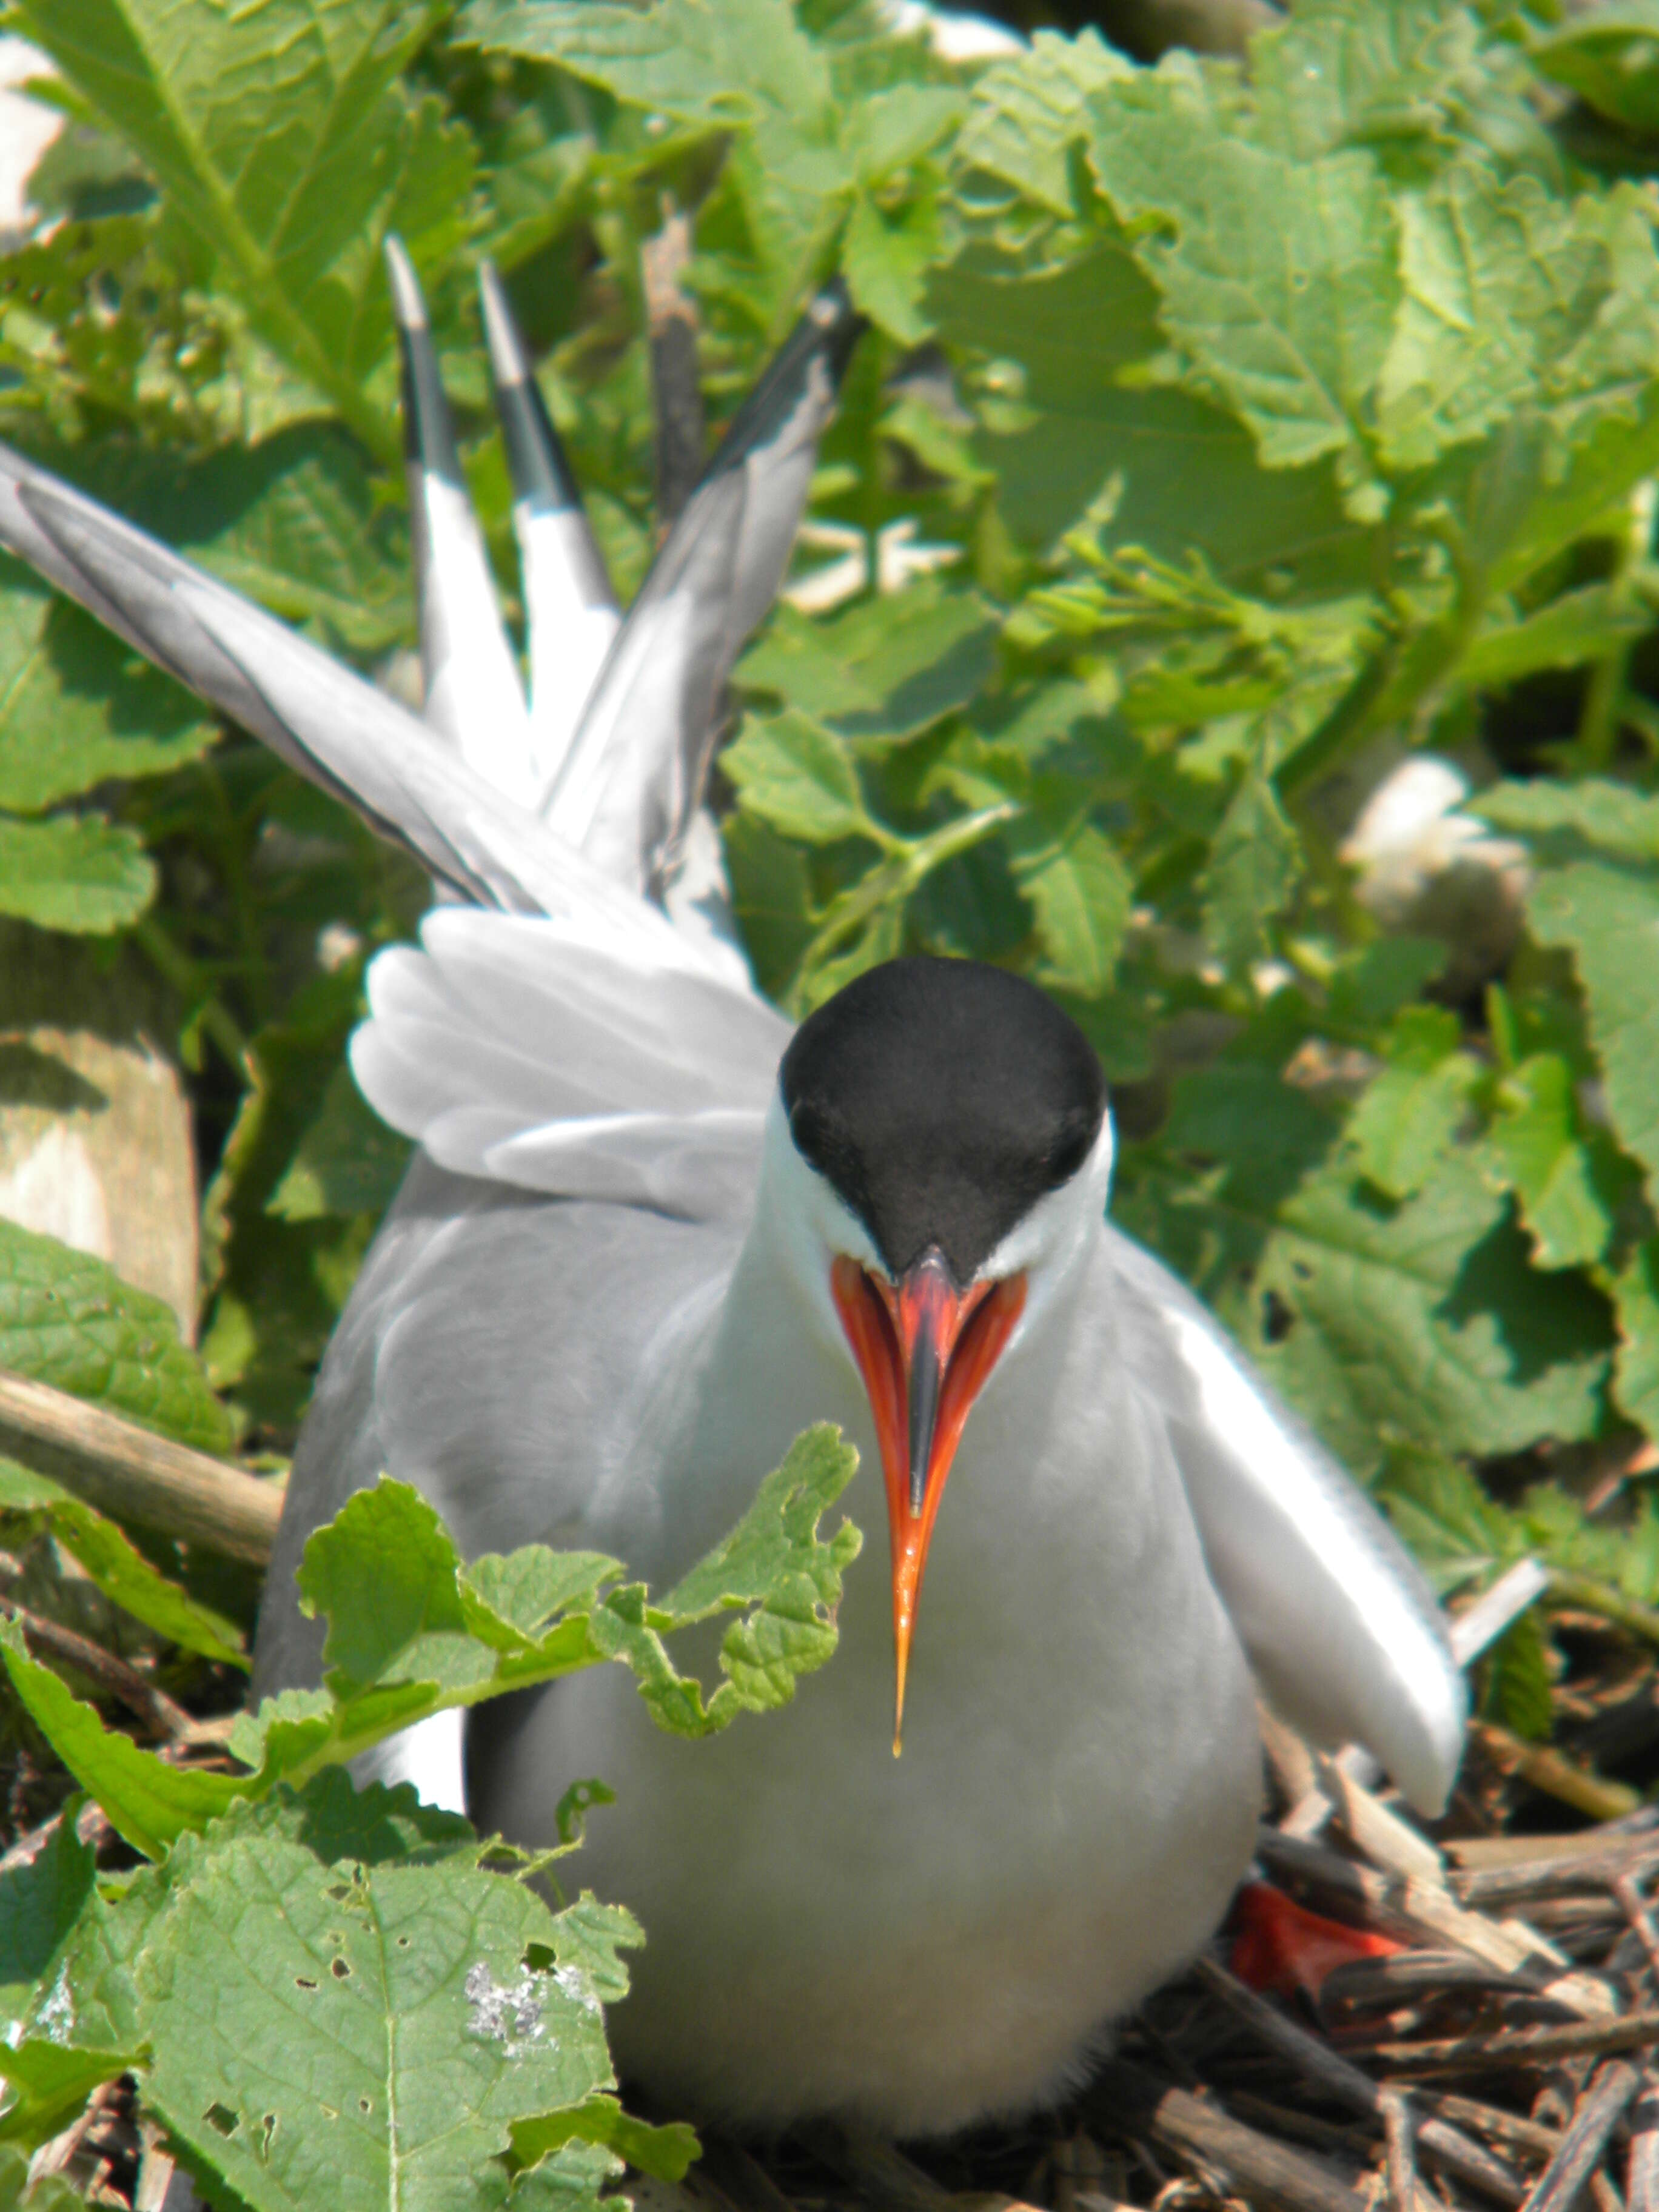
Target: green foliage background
point(1281, 419)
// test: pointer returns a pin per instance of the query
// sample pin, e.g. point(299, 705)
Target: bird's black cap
point(942, 1099)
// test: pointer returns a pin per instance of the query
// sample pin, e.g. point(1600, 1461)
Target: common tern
point(650, 1234)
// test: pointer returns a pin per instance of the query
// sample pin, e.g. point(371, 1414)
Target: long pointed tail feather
point(473, 695)
point(634, 777)
point(569, 603)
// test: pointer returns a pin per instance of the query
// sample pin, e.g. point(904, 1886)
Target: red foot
point(1280, 1947)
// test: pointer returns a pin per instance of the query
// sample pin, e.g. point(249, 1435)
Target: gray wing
point(1339, 1625)
point(321, 718)
point(632, 780)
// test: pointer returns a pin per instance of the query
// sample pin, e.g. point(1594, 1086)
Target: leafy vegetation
point(1195, 508)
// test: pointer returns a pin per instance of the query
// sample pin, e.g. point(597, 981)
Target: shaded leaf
point(75, 872)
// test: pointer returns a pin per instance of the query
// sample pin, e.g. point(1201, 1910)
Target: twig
point(1482, 1623)
point(1560, 1777)
point(1397, 2137)
point(1264, 2171)
point(1610, 1604)
point(1593, 2121)
point(1642, 2174)
point(1326, 2069)
point(127, 1471)
point(1635, 1909)
point(112, 1675)
point(1519, 2046)
point(1513, 2130)
point(1557, 1873)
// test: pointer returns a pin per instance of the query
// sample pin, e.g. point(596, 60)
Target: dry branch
point(132, 1474)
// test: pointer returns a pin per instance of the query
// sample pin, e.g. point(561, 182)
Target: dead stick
point(1557, 1775)
point(1594, 2116)
point(1519, 2046)
point(1642, 2174)
point(1327, 2070)
point(676, 386)
point(1634, 1907)
point(112, 1675)
point(1197, 2131)
point(1560, 1874)
point(1397, 2137)
point(133, 1475)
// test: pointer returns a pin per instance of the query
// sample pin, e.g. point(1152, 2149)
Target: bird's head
point(943, 1139)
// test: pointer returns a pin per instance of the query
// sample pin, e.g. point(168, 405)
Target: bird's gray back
point(493, 1353)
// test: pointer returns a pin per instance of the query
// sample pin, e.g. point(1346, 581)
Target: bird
point(653, 1230)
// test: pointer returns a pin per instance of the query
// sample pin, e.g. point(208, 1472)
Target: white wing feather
point(1339, 1625)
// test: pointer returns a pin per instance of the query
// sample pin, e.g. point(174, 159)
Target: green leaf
point(1279, 285)
point(150, 1803)
point(1255, 866)
point(1636, 1372)
point(1536, 1139)
point(342, 2004)
point(797, 776)
point(1610, 57)
point(1517, 1681)
point(1609, 920)
point(1346, 72)
point(886, 253)
point(1564, 633)
point(1457, 1532)
point(283, 142)
point(1423, 1321)
point(77, 707)
point(1030, 110)
point(1611, 817)
point(713, 63)
point(1499, 281)
point(76, 873)
point(41, 1901)
point(888, 667)
point(1404, 1125)
point(121, 1571)
point(1080, 895)
point(347, 1162)
point(665, 2153)
point(68, 1320)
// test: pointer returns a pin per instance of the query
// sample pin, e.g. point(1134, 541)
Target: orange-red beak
point(925, 1349)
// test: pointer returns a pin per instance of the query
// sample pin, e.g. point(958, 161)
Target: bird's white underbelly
point(915, 1942)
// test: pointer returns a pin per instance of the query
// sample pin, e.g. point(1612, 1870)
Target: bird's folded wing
point(1339, 1625)
point(323, 721)
point(551, 1055)
point(633, 775)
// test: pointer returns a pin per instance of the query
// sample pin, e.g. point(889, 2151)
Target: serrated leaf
point(1536, 1139)
point(1066, 410)
point(341, 2003)
point(1404, 1125)
point(1031, 109)
point(1423, 1321)
point(73, 871)
point(120, 1570)
point(1564, 632)
point(1255, 866)
point(281, 139)
point(150, 1803)
point(76, 706)
point(1455, 1529)
point(67, 1319)
point(1517, 1681)
point(1608, 919)
point(890, 667)
point(1499, 281)
point(1610, 57)
point(665, 2153)
point(1080, 894)
point(886, 253)
point(798, 776)
point(1279, 285)
point(706, 62)
point(1345, 72)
